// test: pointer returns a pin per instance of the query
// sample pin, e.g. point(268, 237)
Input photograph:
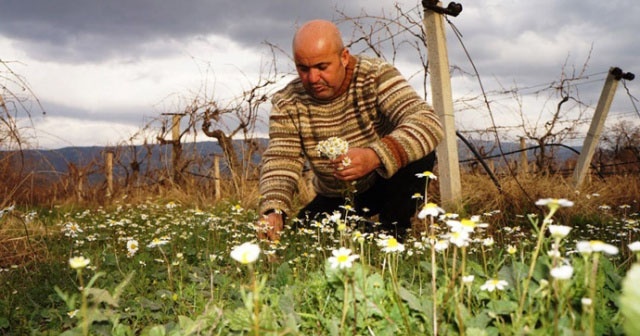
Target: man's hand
point(270, 226)
point(357, 163)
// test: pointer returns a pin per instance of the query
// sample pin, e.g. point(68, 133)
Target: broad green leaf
point(185, 322)
point(375, 287)
point(157, 331)
point(480, 320)
point(476, 332)
point(239, 319)
point(102, 296)
point(630, 301)
point(148, 304)
point(411, 300)
point(284, 275)
point(502, 307)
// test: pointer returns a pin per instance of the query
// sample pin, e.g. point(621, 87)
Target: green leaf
point(411, 300)
point(120, 287)
point(284, 275)
point(480, 321)
point(150, 305)
point(375, 287)
point(630, 301)
point(371, 308)
point(121, 330)
point(476, 332)
point(99, 295)
point(286, 303)
point(72, 332)
point(502, 307)
point(70, 300)
point(185, 322)
point(239, 319)
point(292, 322)
point(94, 278)
point(513, 273)
point(334, 275)
point(157, 331)
point(332, 325)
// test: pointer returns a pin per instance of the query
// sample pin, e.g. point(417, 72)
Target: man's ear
point(344, 57)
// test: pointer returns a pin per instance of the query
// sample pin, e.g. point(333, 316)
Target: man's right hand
point(271, 226)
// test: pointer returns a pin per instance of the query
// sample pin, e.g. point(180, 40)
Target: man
point(391, 133)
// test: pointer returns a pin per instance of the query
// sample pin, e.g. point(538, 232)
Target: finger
point(273, 235)
point(261, 235)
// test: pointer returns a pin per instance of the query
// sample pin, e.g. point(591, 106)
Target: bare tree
point(238, 120)
point(554, 125)
point(173, 127)
point(16, 97)
point(620, 147)
point(388, 36)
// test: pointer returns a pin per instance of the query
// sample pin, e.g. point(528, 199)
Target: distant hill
point(91, 159)
point(57, 161)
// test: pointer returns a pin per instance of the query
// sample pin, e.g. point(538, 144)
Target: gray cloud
point(511, 42)
point(530, 43)
point(131, 116)
point(92, 30)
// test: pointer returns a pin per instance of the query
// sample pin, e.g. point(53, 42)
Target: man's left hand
point(357, 163)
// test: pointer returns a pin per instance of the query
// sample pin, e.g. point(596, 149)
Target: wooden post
point(524, 160)
point(597, 123)
point(108, 171)
point(80, 186)
point(216, 177)
point(176, 150)
point(442, 101)
point(175, 127)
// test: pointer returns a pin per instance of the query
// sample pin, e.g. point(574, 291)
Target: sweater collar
point(347, 77)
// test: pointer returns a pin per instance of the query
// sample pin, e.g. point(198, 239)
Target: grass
point(182, 280)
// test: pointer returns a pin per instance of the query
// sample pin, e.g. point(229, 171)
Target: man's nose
point(314, 76)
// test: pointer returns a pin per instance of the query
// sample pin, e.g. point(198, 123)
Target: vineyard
point(157, 234)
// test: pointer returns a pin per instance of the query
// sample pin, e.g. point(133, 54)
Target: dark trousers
point(391, 198)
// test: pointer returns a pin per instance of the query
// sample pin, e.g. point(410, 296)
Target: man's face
point(321, 69)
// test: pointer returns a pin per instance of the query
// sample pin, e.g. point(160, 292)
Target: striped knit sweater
point(378, 110)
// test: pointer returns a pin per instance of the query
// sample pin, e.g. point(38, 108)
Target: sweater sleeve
point(282, 163)
point(416, 128)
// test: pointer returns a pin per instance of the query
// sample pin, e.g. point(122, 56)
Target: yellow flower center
point(468, 223)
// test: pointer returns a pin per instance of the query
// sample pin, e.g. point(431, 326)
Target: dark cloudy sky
point(102, 69)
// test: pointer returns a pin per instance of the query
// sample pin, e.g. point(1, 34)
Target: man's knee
point(426, 163)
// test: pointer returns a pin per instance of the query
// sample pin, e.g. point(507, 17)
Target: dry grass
point(22, 242)
point(518, 195)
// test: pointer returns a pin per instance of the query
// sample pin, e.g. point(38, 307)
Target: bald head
point(321, 59)
point(318, 35)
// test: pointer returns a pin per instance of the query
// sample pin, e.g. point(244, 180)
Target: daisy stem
point(458, 313)
point(84, 306)
point(463, 263)
point(532, 266)
point(166, 260)
point(256, 301)
point(345, 304)
point(434, 288)
point(592, 294)
point(393, 271)
point(484, 260)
